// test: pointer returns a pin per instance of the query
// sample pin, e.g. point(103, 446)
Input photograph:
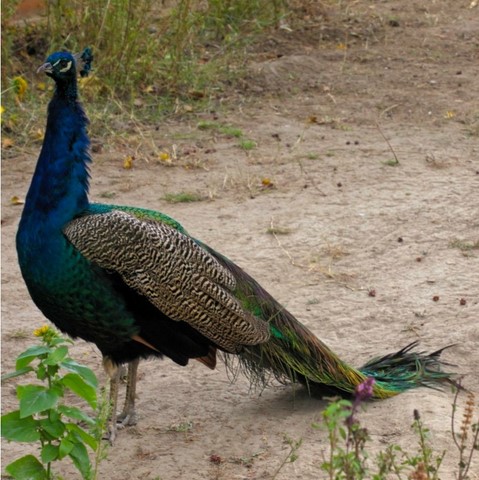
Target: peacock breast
point(77, 296)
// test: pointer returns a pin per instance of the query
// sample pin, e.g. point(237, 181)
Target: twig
point(453, 415)
point(389, 144)
point(386, 110)
point(291, 260)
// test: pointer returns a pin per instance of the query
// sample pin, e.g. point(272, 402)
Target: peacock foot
point(127, 418)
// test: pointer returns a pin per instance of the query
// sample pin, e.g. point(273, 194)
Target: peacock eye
point(64, 65)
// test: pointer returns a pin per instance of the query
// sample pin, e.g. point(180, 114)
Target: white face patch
point(65, 69)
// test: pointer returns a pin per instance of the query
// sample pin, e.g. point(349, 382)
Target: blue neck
point(59, 188)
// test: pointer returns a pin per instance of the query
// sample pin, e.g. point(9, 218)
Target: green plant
point(348, 461)
point(348, 457)
point(182, 197)
point(246, 144)
point(425, 461)
point(464, 245)
point(142, 48)
point(291, 456)
point(227, 130)
point(44, 417)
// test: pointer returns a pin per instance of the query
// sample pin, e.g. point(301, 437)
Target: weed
point(424, 462)
point(349, 459)
point(461, 439)
point(227, 130)
point(43, 417)
point(183, 427)
point(143, 49)
point(107, 194)
point(182, 197)
point(464, 245)
point(247, 145)
point(391, 163)
point(291, 456)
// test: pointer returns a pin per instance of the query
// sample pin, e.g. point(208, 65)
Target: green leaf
point(52, 370)
point(84, 372)
point(55, 428)
point(41, 372)
point(25, 358)
point(54, 415)
point(59, 340)
point(16, 373)
point(84, 436)
point(19, 429)
point(35, 398)
point(49, 453)
point(56, 356)
point(27, 468)
point(83, 389)
point(76, 414)
point(80, 458)
point(66, 447)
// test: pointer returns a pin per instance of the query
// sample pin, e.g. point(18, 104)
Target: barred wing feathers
point(174, 272)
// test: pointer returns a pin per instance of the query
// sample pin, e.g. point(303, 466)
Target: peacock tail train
point(136, 284)
point(294, 354)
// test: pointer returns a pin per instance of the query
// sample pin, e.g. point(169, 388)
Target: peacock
point(136, 284)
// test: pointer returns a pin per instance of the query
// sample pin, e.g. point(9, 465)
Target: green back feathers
point(140, 213)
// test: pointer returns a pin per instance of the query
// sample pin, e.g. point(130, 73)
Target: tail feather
point(407, 369)
point(294, 354)
point(311, 362)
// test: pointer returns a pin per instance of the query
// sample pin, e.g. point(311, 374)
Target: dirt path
point(348, 222)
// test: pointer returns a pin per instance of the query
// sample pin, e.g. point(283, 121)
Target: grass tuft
point(464, 245)
point(182, 197)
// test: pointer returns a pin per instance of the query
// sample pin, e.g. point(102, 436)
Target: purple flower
point(364, 391)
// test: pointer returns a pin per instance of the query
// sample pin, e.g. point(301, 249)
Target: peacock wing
point(173, 271)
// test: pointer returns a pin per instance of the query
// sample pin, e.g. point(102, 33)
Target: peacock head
point(62, 66)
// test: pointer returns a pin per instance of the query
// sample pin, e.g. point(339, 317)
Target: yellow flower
point(164, 157)
point(40, 332)
point(128, 162)
point(20, 86)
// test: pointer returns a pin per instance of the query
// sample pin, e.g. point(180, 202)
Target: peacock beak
point(46, 67)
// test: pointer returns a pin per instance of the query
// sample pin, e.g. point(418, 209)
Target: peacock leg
point(128, 415)
point(112, 423)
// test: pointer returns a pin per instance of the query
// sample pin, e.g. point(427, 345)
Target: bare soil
point(370, 256)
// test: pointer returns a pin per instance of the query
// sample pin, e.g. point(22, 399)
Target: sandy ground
point(349, 223)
